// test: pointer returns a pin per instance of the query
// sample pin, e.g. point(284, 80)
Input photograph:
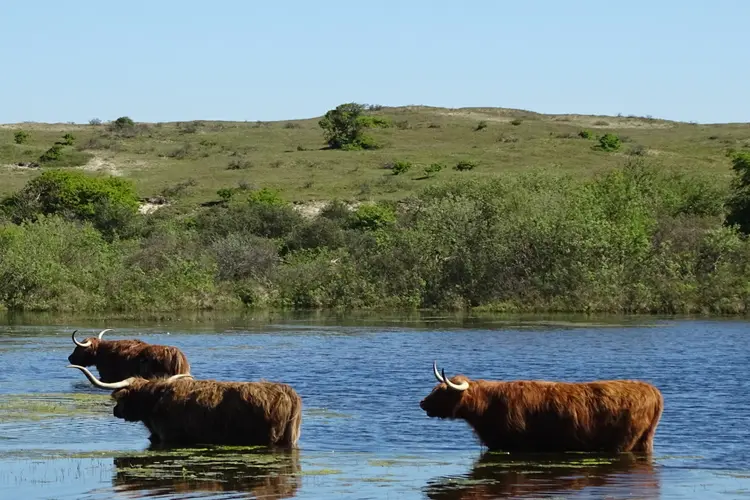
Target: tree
point(344, 127)
point(738, 204)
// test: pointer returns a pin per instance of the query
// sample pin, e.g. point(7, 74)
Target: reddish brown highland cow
point(181, 410)
point(119, 359)
point(540, 416)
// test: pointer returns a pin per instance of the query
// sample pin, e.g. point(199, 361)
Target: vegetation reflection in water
point(259, 472)
point(496, 474)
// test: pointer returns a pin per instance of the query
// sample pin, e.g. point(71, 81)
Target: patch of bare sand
point(28, 166)
point(148, 207)
point(475, 115)
point(311, 209)
point(99, 164)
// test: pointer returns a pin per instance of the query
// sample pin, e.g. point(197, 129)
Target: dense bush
point(634, 239)
point(20, 137)
point(400, 167)
point(739, 203)
point(344, 127)
point(110, 203)
point(609, 142)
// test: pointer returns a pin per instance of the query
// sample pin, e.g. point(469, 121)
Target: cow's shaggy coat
point(182, 410)
point(119, 359)
point(541, 416)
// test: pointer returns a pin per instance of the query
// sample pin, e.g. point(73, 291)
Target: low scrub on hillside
point(636, 239)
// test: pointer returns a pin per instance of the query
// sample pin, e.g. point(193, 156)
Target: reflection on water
point(498, 475)
point(257, 474)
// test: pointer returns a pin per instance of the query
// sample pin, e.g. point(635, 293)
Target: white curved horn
point(102, 332)
point(179, 376)
point(435, 371)
point(456, 387)
point(80, 344)
point(102, 385)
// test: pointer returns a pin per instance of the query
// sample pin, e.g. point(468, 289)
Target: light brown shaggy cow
point(181, 410)
point(541, 416)
point(119, 359)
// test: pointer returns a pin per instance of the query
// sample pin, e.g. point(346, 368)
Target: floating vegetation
point(264, 473)
point(56, 405)
point(321, 472)
point(324, 413)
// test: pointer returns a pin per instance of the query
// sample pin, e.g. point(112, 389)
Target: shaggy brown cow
point(541, 416)
point(119, 359)
point(181, 410)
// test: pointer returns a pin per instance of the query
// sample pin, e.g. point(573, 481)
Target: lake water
point(363, 433)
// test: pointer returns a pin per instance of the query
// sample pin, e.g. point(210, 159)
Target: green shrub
point(266, 196)
point(52, 154)
point(373, 216)
point(242, 256)
point(400, 167)
point(738, 204)
point(464, 165)
point(481, 125)
point(374, 121)
point(608, 142)
point(21, 137)
point(269, 220)
point(68, 139)
point(54, 264)
point(433, 169)
point(586, 134)
point(107, 202)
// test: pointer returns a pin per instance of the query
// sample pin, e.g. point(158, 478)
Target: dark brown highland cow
point(540, 416)
point(119, 359)
point(181, 410)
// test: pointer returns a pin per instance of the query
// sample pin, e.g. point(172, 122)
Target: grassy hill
point(644, 237)
point(195, 159)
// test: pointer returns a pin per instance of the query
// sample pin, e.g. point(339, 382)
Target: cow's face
point(84, 356)
point(444, 401)
point(132, 404)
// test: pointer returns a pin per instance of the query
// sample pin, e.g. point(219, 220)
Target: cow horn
point(456, 387)
point(103, 385)
point(102, 332)
point(435, 371)
point(80, 344)
point(179, 376)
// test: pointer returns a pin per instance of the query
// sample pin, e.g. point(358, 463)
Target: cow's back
point(221, 412)
point(560, 416)
point(160, 361)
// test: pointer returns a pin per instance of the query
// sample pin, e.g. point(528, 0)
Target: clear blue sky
point(164, 60)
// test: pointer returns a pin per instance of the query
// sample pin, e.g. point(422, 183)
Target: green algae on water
point(15, 407)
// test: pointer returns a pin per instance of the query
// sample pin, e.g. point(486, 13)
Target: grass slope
point(288, 155)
